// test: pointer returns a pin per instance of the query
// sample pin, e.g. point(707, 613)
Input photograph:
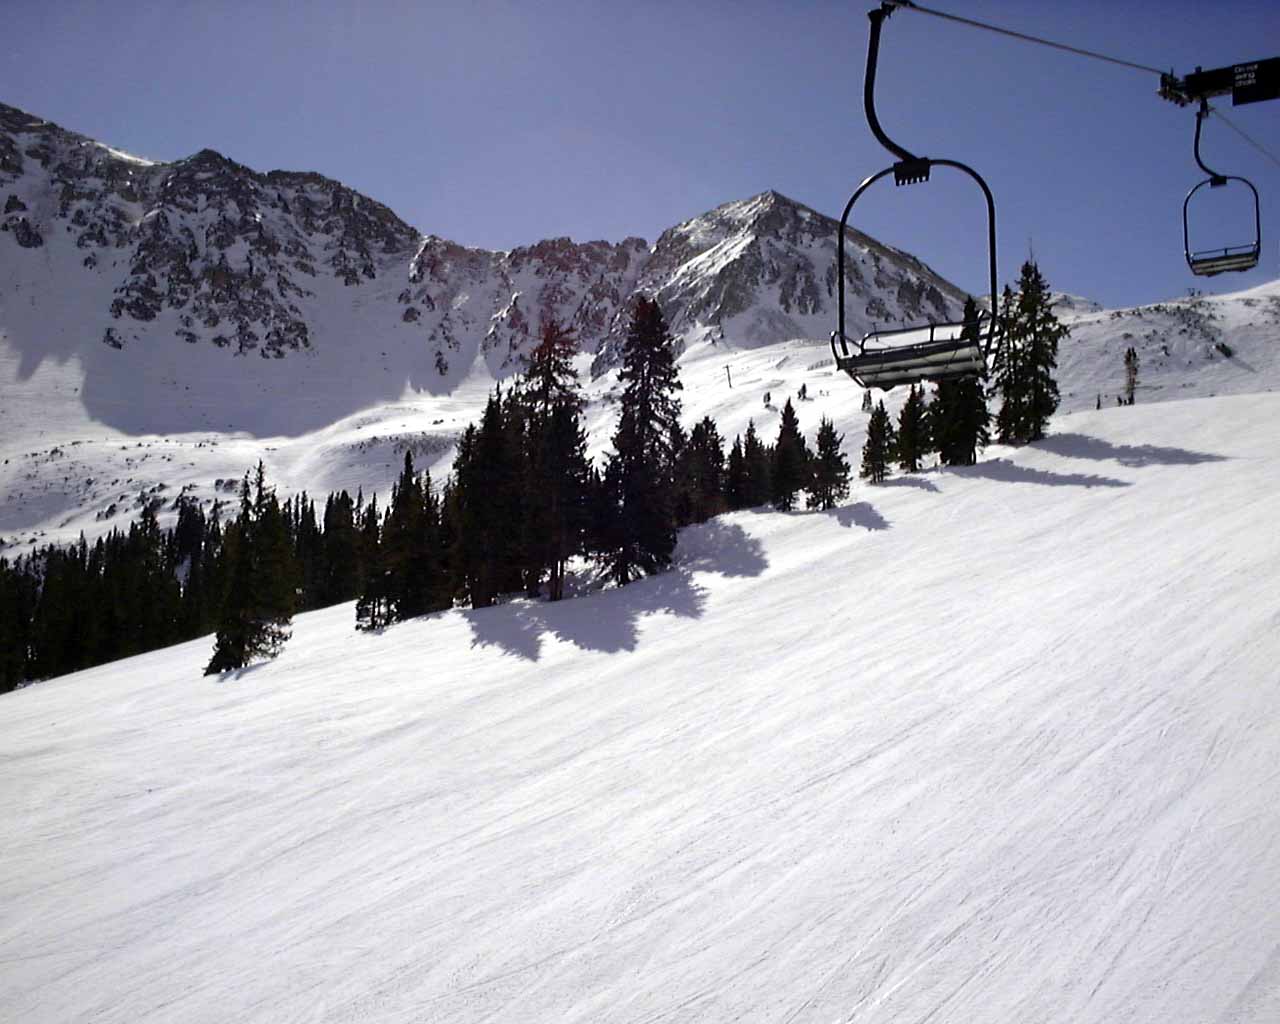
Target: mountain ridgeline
point(208, 253)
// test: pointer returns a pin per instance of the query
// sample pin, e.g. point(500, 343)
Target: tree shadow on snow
point(860, 513)
point(1082, 446)
point(1008, 472)
point(609, 621)
point(236, 674)
point(919, 483)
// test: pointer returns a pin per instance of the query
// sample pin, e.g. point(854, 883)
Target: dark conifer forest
point(523, 502)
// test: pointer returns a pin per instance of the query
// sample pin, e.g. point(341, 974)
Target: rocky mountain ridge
point(208, 252)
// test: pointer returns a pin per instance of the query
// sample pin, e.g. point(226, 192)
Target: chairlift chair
point(931, 351)
point(1208, 262)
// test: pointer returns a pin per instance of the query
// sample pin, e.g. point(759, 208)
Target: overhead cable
point(908, 5)
point(1239, 131)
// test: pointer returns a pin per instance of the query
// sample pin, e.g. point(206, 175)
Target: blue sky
point(500, 123)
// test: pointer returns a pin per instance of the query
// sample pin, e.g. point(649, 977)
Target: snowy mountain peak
point(154, 262)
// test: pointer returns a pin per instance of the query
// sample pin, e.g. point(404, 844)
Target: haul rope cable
point(1239, 131)
point(909, 6)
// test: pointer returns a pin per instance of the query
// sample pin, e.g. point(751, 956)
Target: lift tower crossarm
point(1252, 82)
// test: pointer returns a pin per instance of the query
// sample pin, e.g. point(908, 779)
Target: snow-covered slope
point(986, 745)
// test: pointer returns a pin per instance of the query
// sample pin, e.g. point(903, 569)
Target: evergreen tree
point(550, 378)
point(913, 432)
point(556, 468)
point(829, 483)
point(308, 551)
point(957, 419)
point(566, 472)
point(254, 621)
point(1026, 356)
point(735, 485)
point(1043, 331)
point(880, 446)
point(639, 473)
point(1008, 374)
point(790, 463)
point(757, 460)
point(705, 470)
point(340, 570)
point(490, 552)
point(1130, 375)
point(412, 581)
point(682, 485)
point(18, 588)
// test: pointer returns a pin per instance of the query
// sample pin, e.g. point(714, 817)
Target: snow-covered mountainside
point(152, 275)
point(987, 745)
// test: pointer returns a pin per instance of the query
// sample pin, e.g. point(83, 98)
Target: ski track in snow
point(998, 744)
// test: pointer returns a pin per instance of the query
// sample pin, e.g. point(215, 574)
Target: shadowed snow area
point(969, 749)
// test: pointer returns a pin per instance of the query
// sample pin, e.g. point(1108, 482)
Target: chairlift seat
point(886, 359)
point(1208, 262)
point(1219, 261)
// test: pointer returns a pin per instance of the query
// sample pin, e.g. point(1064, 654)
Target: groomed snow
point(985, 745)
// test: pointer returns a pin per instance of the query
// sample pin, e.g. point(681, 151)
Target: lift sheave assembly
point(931, 351)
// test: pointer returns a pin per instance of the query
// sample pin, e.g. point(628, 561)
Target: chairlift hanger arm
point(1215, 178)
point(877, 16)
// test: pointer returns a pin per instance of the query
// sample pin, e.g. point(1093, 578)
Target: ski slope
point(991, 744)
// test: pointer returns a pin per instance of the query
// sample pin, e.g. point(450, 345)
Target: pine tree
point(1130, 375)
point(790, 463)
point(682, 485)
point(412, 581)
point(340, 551)
point(705, 470)
point(1008, 374)
point(550, 378)
point(491, 549)
point(1026, 356)
point(640, 470)
point(1044, 332)
point(956, 420)
point(757, 460)
point(829, 484)
point(878, 451)
point(18, 589)
point(556, 469)
point(556, 481)
point(258, 607)
point(735, 485)
point(913, 432)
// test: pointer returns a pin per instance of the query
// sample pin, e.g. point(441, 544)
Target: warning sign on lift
point(1254, 82)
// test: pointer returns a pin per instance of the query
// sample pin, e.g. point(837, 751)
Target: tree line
point(523, 501)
